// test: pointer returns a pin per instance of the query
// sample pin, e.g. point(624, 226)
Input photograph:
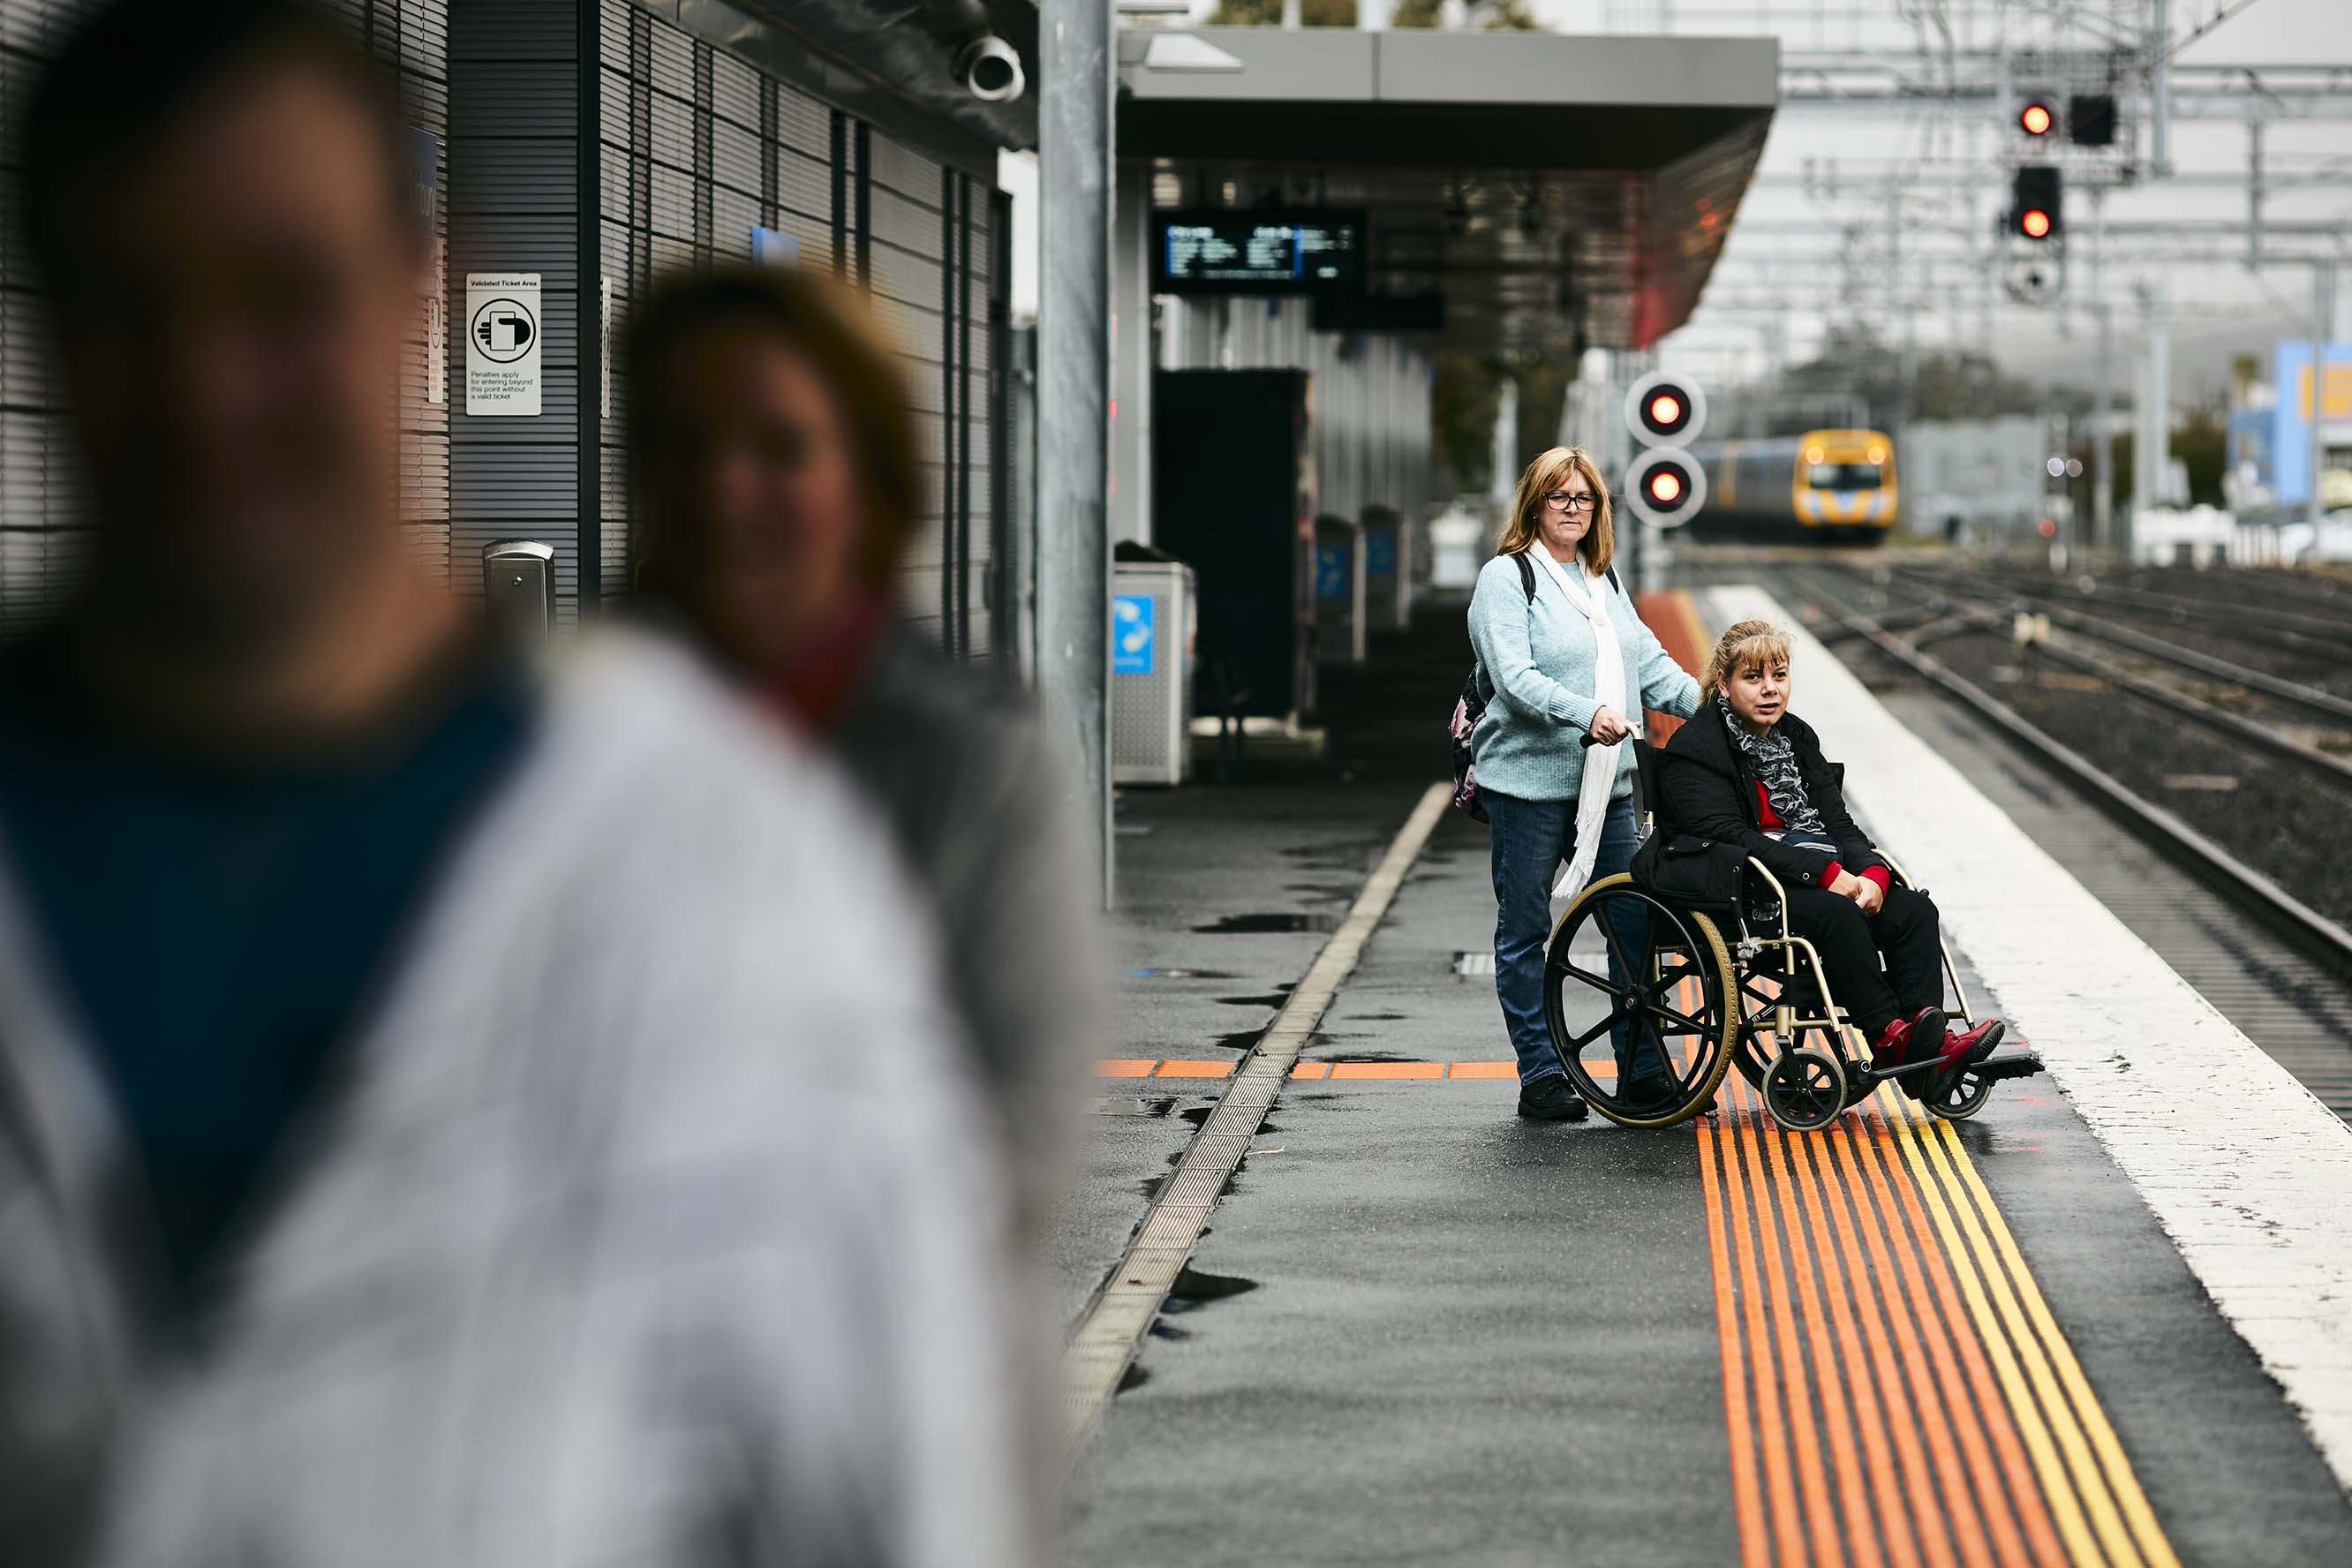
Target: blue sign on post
point(1130, 634)
point(1330, 571)
point(1379, 555)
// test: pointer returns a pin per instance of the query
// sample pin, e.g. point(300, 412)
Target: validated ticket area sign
point(502, 342)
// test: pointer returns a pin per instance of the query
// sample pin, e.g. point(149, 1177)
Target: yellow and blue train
point(1823, 484)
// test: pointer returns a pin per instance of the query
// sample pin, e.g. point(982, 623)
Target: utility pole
point(1074, 188)
point(2152, 436)
point(2323, 291)
point(2102, 428)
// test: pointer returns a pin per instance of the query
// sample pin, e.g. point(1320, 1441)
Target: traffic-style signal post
point(1665, 485)
point(2036, 210)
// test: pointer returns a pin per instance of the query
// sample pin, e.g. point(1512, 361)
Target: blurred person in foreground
point(776, 483)
point(428, 1137)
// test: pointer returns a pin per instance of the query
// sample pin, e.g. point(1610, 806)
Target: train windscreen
point(1843, 475)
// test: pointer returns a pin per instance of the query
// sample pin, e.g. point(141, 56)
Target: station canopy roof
point(1559, 192)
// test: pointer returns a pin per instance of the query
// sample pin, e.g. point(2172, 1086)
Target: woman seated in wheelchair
point(1746, 771)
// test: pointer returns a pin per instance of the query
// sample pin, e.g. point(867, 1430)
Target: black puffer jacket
point(1708, 788)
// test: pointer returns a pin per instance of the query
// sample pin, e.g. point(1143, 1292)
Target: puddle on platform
point(1277, 1000)
point(1196, 1114)
point(1252, 925)
point(1133, 1377)
point(1179, 974)
point(1195, 1288)
point(1240, 1041)
point(1163, 1330)
point(1127, 1105)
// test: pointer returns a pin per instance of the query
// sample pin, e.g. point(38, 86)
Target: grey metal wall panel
point(696, 149)
point(515, 162)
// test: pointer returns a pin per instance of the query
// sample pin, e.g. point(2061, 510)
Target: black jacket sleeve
point(1701, 801)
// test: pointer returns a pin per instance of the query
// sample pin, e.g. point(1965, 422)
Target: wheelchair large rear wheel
point(1623, 960)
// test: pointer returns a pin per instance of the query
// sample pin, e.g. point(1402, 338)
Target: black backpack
point(1471, 705)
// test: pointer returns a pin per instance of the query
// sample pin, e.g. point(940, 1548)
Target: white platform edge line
point(2247, 1171)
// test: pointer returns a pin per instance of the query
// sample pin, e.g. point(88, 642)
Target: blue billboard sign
point(2290, 467)
point(1379, 553)
point(1131, 638)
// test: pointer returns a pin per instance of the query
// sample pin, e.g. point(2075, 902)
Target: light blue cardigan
point(1540, 658)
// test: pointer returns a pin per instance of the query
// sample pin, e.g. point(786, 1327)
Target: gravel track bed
point(2321, 674)
point(2306, 593)
point(2282, 819)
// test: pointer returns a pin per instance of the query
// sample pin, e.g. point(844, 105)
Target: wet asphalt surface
point(1421, 1330)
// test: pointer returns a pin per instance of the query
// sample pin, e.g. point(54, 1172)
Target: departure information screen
point(1293, 251)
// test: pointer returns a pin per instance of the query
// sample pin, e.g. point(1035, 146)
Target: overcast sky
point(2217, 311)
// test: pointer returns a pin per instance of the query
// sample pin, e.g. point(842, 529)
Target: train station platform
point(1332, 1302)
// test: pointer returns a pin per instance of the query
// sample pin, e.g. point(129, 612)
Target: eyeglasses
point(1560, 500)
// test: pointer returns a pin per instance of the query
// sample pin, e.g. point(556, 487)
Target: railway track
point(2272, 963)
point(2313, 637)
point(1955, 617)
point(2309, 699)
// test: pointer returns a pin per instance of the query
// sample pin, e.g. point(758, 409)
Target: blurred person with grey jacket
point(775, 485)
point(425, 1130)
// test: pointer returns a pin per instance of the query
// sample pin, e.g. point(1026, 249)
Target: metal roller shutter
point(43, 522)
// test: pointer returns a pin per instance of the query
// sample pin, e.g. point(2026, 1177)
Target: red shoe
point(1973, 1045)
point(1912, 1039)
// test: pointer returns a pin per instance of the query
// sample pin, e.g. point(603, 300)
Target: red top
point(1772, 819)
point(818, 680)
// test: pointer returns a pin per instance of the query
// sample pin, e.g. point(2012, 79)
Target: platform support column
point(1075, 185)
point(2322, 301)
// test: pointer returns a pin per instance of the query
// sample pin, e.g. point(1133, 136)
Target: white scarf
point(1591, 596)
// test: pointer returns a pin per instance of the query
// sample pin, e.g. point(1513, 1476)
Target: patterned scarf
point(1775, 761)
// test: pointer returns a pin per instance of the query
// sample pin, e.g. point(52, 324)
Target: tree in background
point(1466, 395)
point(1268, 14)
point(1492, 16)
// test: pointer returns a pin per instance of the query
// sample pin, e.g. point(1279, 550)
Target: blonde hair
point(1749, 642)
point(1545, 475)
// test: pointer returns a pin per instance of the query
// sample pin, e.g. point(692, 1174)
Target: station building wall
point(599, 143)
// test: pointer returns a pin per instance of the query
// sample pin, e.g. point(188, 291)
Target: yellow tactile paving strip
point(1896, 1389)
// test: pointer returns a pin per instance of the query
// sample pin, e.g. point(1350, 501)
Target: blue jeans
point(1530, 840)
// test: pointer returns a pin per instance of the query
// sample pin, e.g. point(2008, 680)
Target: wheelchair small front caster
point(1804, 1088)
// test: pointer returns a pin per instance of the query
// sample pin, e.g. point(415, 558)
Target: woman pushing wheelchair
point(1747, 773)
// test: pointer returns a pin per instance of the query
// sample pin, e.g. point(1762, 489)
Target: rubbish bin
point(518, 586)
point(1388, 571)
point(1339, 630)
point(1152, 626)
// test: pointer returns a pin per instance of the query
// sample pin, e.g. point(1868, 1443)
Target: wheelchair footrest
point(1992, 1069)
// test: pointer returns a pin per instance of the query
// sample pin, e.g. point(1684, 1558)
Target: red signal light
point(2036, 118)
point(1665, 408)
point(1665, 488)
point(2034, 222)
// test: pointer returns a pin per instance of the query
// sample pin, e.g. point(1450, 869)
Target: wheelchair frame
point(1803, 1086)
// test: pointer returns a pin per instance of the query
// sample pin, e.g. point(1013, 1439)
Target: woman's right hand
point(1609, 727)
point(1846, 885)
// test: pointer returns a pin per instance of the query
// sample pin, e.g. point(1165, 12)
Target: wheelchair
point(1715, 988)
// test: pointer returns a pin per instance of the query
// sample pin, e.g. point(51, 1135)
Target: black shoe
point(1549, 1099)
point(1649, 1094)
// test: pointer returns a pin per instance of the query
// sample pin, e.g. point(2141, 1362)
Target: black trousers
point(1850, 944)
